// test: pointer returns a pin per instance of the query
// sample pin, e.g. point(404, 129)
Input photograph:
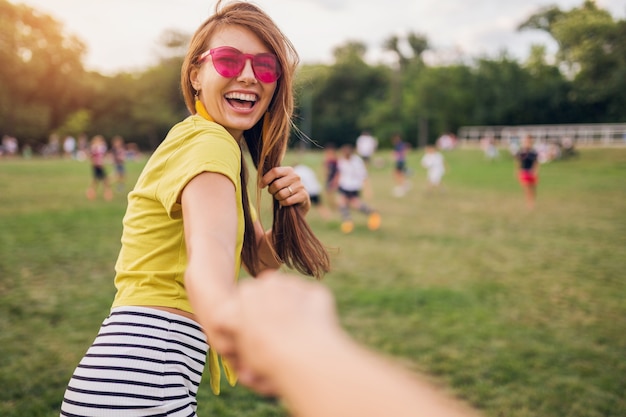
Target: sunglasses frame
point(242, 59)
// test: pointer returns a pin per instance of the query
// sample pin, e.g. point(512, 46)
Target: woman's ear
point(193, 77)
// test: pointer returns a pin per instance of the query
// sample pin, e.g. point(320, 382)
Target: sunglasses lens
point(266, 67)
point(229, 62)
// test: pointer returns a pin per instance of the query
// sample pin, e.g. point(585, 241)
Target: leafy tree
point(499, 89)
point(159, 103)
point(547, 91)
point(441, 95)
point(76, 123)
point(342, 94)
point(41, 72)
point(592, 49)
point(140, 107)
point(392, 115)
point(44, 88)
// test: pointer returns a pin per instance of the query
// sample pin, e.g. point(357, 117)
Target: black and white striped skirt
point(144, 362)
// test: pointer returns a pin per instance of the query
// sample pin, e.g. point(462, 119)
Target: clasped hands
point(272, 323)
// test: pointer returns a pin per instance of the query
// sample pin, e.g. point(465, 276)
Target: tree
point(41, 72)
point(341, 95)
point(592, 49)
point(547, 91)
point(441, 96)
point(391, 116)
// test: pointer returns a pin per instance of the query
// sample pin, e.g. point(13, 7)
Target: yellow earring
point(201, 110)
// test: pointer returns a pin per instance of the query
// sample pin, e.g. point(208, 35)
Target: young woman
point(189, 224)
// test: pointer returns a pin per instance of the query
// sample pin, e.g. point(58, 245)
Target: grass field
point(518, 313)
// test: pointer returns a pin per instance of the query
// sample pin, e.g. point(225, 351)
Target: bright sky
point(123, 34)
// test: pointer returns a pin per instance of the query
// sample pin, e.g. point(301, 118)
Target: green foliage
point(592, 47)
point(519, 313)
point(340, 96)
point(40, 66)
point(76, 123)
point(43, 84)
point(443, 95)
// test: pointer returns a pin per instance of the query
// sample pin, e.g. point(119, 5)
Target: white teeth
point(241, 96)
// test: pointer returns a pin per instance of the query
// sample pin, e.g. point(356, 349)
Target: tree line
point(45, 89)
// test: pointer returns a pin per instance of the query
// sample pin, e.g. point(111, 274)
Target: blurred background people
point(527, 165)
point(400, 150)
point(351, 179)
point(434, 163)
point(313, 187)
point(366, 145)
point(97, 155)
point(118, 151)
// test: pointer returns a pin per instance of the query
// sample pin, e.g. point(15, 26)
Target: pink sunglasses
point(229, 62)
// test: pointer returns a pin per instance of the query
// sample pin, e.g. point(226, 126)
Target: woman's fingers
point(286, 187)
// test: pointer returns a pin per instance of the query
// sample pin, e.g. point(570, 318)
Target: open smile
point(243, 101)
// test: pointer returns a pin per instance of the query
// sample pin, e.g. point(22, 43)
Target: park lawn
point(518, 313)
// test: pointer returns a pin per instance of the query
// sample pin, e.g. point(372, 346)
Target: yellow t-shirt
point(151, 264)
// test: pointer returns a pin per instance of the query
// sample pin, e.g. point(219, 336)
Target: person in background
point(190, 224)
point(400, 149)
point(435, 165)
point(82, 147)
point(527, 168)
point(285, 340)
point(69, 147)
point(489, 147)
point(366, 145)
point(351, 180)
point(313, 187)
point(97, 154)
point(118, 150)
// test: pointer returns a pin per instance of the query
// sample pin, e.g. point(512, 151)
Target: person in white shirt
point(435, 166)
point(366, 145)
point(313, 187)
point(351, 178)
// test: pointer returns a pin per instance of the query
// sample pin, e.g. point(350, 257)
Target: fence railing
point(580, 134)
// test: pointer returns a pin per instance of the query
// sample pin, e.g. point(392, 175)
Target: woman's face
point(239, 102)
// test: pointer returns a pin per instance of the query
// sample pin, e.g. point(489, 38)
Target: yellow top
point(153, 258)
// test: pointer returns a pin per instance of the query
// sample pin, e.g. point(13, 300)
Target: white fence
point(580, 134)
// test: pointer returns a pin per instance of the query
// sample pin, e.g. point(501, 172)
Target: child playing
point(435, 166)
point(351, 178)
point(97, 154)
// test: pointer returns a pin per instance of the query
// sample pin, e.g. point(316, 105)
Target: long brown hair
point(293, 241)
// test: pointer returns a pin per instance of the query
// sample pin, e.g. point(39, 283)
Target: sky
point(123, 35)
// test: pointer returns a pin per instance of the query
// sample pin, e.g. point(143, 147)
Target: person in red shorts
point(527, 169)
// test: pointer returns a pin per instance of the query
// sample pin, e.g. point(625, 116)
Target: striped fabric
point(144, 362)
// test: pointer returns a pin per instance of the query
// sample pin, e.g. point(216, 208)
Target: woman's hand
point(286, 187)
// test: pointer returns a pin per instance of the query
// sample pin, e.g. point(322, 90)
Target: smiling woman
point(190, 225)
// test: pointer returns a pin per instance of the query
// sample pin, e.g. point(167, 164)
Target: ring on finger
point(290, 190)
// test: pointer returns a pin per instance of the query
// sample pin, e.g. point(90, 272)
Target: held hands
point(286, 187)
point(271, 320)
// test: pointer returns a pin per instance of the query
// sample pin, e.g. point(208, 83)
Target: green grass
point(519, 313)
